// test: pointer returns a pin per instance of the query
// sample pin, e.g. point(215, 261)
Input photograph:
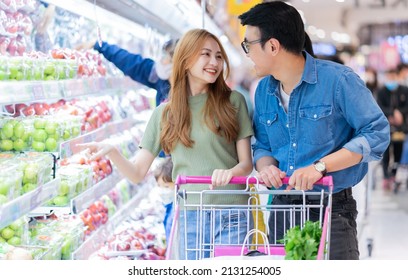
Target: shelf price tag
point(73, 88)
point(37, 92)
point(102, 84)
point(35, 200)
point(65, 149)
point(53, 89)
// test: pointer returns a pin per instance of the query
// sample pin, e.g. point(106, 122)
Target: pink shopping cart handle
point(326, 181)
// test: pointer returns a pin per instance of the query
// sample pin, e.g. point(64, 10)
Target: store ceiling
point(335, 21)
point(339, 17)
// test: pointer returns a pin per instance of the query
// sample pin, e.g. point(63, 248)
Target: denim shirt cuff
point(261, 153)
point(361, 146)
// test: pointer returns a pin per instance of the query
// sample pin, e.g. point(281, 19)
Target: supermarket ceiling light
point(341, 37)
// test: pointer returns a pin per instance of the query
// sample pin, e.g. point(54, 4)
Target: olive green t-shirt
point(210, 151)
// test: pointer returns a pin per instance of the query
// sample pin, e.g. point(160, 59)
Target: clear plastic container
point(11, 178)
point(37, 169)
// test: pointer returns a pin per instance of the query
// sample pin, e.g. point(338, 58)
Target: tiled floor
point(383, 220)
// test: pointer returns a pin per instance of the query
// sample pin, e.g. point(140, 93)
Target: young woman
point(205, 127)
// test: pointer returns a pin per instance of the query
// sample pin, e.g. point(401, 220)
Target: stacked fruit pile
point(37, 133)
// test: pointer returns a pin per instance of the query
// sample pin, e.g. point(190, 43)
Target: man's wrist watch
point(320, 166)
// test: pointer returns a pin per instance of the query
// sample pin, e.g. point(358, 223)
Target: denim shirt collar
point(309, 74)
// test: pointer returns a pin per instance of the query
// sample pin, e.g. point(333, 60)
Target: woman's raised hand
point(97, 149)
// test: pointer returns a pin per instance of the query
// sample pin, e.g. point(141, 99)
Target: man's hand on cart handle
point(271, 176)
point(304, 178)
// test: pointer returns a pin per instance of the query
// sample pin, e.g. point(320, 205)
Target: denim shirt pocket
point(315, 124)
point(277, 133)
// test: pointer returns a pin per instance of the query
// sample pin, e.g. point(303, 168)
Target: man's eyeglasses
point(245, 44)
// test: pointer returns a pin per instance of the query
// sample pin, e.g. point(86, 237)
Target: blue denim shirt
point(330, 108)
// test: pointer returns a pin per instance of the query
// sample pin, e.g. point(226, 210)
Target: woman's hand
point(220, 177)
point(97, 149)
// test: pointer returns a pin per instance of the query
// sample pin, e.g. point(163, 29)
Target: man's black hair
point(280, 21)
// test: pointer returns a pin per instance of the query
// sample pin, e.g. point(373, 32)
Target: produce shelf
point(89, 196)
point(99, 237)
point(22, 205)
point(68, 148)
point(35, 91)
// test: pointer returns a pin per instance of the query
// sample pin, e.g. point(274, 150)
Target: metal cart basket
point(212, 238)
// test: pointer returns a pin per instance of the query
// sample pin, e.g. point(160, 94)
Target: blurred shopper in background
point(371, 80)
point(393, 100)
point(206, 128)
point(312, 117)
point(403, 73)
point(146, 71)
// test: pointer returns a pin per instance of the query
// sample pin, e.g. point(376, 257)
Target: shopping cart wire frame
point(325, 181)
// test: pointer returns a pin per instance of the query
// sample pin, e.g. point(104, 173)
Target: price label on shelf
point(73, 88)
point(37, 92)
point(102, 83)
point(53, 89)
point(35, 200)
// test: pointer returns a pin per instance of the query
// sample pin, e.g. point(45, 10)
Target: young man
point(312, 117)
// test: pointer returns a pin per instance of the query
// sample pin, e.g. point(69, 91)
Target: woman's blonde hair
point(219, 113)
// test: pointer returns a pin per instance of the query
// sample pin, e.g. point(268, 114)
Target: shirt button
point(315, 116)
point(294, 144)
point(268, 122)
point(290, 167)
point(287, 125)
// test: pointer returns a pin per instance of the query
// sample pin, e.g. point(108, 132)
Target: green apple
point(66, 135)
point(66, 248)
point(7, 130)
point(72, 73)
point(19, 130)
point(50, 127)
point(54, 136)
point(76, 131)
point(6, 145)
point(39, 123)
point(17, 224)
point(20, 76)
point(60, 200)
point(64, 188)
point(19, 145)
point(29, 75)
point(38, 75)
point(49, 68)
point(13, 71)
point(15, 241)
point(39, 135)
point(4, 188)
point(7, 233)
point(31, 171)
point(29, 187)
point(2, 240)
point(51, 144)
point(38, 146)
point(61, 74)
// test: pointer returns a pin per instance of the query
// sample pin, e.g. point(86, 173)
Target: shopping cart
point(212, 238)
